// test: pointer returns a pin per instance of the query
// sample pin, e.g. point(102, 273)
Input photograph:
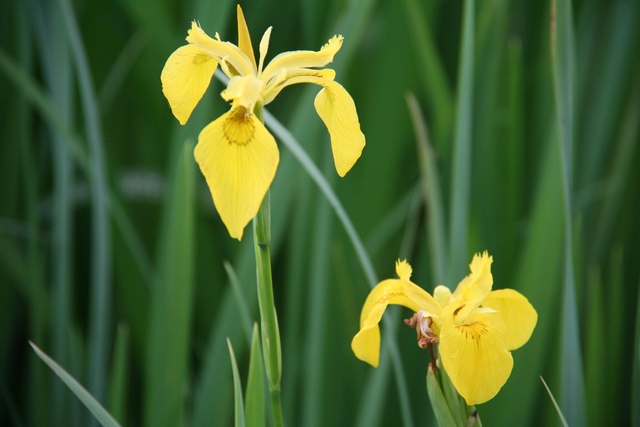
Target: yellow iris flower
point(476, 328)
point(236, 153)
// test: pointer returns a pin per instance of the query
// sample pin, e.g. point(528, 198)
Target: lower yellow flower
point(476, 328)
point(236, 153)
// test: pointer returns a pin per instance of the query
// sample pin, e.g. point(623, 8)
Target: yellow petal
point(366, 343)
point(334, 106)
point(442, 294)
point(238, 157)
point(403, 269)
point(473, 288)
point(244, 39)
point(517, 313)
point(303, 58)
point(338, 112)
point(243, 91)
point(237, 62)
point(475, 357)
point(288, 77)
point(264, 47)
point(185, 78)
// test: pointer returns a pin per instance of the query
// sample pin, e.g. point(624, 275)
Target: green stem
point(268, 317)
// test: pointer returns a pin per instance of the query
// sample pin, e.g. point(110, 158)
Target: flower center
point(422, 323)
point(238, 128)
point(244, 91)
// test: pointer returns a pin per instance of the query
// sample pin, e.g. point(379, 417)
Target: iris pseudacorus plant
point(475, 328)
point(236, 153)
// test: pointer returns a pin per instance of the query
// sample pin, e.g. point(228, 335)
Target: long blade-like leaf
point(103, 417)
point(572, 382)
point(237, 389)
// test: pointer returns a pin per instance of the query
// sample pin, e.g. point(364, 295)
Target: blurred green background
point(111, 253)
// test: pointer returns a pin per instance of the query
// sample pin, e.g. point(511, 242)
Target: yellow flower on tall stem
point(236, 153)
point(476, 328)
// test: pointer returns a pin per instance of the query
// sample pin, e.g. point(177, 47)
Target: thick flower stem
point(268, 317)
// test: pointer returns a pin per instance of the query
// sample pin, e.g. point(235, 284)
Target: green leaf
point(562, 58)
point(254, 398)
point(85, 397)
point(461, 171)
point(635, 380)
point(439, 402)
point(564, 422)
point(457, 404)
point(430, 183)
point(243, 308)
point(119, 378)
point(432, 70)
point(237, 389)
point(170, 324)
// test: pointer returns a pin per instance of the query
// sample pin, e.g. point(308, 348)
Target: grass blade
point(433, 75)
point(254, 399)
point(103, 417)
point(430, 183)
point(119, 376)
point(635, 371)
point(461, 172)
point(99, 307)
point(237, 390)
point(558, 410)
point(243, 308)
point(562, 58)
point(168, 346)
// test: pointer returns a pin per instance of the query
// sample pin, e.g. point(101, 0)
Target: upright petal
point(244, 39)
point(303, 58)
point(238, 157)
point(518, 314)
point(475, 357)
point(185, 78)
point(238, 63)
point(442, 294)
point(473, 288)
point(264, 47)
point(338, 112)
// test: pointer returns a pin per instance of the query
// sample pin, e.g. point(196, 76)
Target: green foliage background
point(111, 253)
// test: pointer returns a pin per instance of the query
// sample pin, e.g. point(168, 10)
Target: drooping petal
point(517, 313)
point(238, 63)
point(366, 343)
point(244, 39)
point(473, 288)
point(338, 112)
point(303, 58)
point(238, 157)
point(475, 357)
point(185, 78)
